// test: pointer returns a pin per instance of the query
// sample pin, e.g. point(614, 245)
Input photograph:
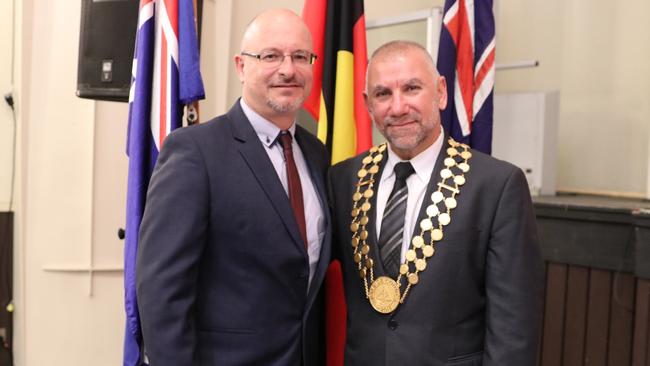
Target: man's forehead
point(388, 82)
point(285, 31)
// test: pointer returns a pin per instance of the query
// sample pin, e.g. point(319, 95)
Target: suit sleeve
point(514, 279)
point(172, 237)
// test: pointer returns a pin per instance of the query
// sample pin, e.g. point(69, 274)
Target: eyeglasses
point(275, 58)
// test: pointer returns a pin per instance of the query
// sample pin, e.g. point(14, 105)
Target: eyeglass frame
point(258, 56)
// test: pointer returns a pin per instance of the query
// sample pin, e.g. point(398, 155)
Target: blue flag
point(165, 75)
point(466, 60)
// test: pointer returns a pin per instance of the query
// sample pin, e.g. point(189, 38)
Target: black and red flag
point(338, 31)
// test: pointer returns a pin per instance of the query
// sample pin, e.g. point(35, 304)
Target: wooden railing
point(597, 306)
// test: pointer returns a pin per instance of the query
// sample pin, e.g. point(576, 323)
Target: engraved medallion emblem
point(384, 295)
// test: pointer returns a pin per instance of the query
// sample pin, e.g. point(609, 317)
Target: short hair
point(400, 47)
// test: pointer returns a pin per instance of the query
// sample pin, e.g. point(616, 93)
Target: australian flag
point(466, 60)
point(165, 77)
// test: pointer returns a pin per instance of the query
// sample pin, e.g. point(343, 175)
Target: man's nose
point(287, 67)
point(399, 106)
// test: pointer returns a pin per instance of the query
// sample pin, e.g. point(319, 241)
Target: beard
point(408, 140)
point(290, 105)
point(284, 107)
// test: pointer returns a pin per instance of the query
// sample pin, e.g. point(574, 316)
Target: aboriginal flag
point(338, 29)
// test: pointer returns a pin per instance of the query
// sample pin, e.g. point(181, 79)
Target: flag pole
point(192, 109)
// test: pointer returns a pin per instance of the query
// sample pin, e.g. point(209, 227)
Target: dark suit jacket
point(222, 274)
point(479, 300)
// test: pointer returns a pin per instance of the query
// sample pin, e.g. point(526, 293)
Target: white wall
point(6, 128)
point(66, 185)
point(595, 53)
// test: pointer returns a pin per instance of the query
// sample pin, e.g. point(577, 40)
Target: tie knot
point(403, 170)
point(285, 140)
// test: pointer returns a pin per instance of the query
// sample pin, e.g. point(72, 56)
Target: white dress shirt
point(268, 132)
point(417, 183)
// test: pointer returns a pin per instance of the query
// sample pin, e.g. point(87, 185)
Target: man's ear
point(239, 65)
point(442, 93)
point(365, 100)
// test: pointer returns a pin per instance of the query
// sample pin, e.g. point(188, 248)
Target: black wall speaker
point(106, 44)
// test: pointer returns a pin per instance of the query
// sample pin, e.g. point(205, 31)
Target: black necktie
point(392, 223)
point(293, 181)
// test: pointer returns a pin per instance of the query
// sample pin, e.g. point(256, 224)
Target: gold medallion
point(384, 295)
point(449, 162)
point(450, 202)
point(433, 210)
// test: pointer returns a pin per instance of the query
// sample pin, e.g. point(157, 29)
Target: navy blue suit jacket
point(222, 274)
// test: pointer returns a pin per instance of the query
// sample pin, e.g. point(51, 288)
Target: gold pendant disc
point(384, 295)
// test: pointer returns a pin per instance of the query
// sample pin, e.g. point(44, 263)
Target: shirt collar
point(423, 163)
point(266, 130)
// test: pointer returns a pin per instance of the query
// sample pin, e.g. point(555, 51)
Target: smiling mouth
point(401, 124)
point(285, 86)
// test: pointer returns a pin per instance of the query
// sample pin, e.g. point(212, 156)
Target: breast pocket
point(460, 239)
point(469, 359)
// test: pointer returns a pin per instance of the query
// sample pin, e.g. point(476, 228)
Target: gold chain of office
point(384, 293)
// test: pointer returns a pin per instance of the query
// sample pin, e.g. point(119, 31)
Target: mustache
point(292, 81)
point(412, 116)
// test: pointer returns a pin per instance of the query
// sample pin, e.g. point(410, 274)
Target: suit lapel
point(312, 159)
point(372, 220)
point(433, 184)
point(257, 159)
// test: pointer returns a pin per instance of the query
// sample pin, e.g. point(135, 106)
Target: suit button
point(393, 324)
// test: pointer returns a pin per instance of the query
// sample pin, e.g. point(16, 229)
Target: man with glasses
point(235, 237)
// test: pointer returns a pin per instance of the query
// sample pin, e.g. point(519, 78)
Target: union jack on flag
point(165, 77)
point(466, 60)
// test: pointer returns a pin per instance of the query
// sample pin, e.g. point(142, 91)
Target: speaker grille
point(106, 43)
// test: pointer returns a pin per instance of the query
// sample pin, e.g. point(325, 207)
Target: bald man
point(235, 237)
point(437, 242)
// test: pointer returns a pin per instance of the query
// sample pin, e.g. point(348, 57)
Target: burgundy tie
point(295, 189)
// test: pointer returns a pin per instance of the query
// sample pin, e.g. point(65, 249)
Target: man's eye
point(300, 57)
point(381, 93)
point(270, 57)
point(412, 87)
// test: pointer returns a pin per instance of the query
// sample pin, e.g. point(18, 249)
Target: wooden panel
point(6, 285)
point(621, 320)
point(641, 341)
point(575, 316)
point(598, 318)
point(554, 314)
point(541, 329)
